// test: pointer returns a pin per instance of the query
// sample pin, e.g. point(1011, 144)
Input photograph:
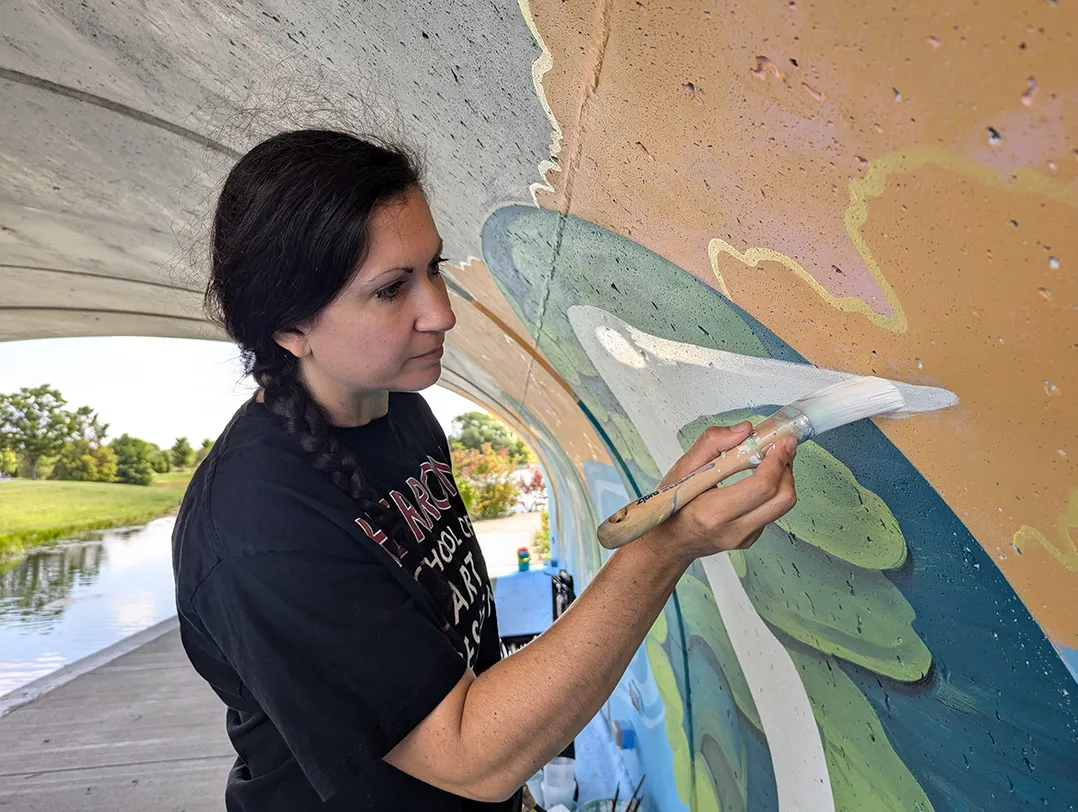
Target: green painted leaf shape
point(833, 606)
point(865, 771)
point(708, 639)
point(833, 511)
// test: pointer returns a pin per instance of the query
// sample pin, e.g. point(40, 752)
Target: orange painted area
point(857, 173)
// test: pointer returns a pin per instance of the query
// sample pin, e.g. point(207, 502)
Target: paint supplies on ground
point(559, 783)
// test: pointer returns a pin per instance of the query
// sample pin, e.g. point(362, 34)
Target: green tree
point(160, 460)
point(34, 423)
point(541, 539)
point(182, 453)
point(473, 429)
point(81, 461)
point(134, 460)
point(202, 452)
point(86, 425)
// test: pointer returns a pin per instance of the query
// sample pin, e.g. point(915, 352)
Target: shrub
point(541, 540)
point(134, 460)
point(81, 462)
point(483, 480)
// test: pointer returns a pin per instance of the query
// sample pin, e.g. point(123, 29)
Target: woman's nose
point(436, 313)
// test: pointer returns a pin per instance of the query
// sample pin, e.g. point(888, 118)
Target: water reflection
point(67, 600)
point(37, 589)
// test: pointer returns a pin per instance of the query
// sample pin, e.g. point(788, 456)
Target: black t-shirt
point(312, 627)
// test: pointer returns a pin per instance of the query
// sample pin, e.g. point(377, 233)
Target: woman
point(329, 585)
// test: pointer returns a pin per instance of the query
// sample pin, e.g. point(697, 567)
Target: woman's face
point(385, 330)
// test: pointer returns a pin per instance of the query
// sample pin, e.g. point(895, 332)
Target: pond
point(69, 599)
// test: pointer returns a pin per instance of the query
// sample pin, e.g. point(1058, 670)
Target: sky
point(157, 389)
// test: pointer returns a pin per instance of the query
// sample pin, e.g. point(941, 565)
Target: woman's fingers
point(710, 444)
point(781, 503)
point(729, 503)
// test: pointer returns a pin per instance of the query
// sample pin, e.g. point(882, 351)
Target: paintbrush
point(614, 805)
point(634, 804)
point(828, 408)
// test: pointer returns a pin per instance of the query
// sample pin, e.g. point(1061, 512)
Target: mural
point(866, 648)
point(720, 230)
point(665, 216)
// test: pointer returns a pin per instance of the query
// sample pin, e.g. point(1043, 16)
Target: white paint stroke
point(542, 64)
point(720, 381)
point(664, 385)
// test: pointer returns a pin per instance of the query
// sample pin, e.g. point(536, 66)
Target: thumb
point(710, 444)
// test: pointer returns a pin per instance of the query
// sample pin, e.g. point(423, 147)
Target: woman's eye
point(389, 292)
point(436, 266)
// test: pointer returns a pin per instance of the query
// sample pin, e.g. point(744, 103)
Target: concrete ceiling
point(120, 122)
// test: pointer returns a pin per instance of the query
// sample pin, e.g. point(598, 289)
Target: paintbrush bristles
point(849, 401)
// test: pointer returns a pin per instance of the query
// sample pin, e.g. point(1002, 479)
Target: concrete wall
point(663, 216)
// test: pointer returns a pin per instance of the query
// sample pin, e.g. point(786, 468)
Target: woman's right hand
point(727, 518)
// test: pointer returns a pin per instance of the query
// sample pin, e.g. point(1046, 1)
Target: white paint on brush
point(663, 385)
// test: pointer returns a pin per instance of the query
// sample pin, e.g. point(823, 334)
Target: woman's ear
point(294, 340)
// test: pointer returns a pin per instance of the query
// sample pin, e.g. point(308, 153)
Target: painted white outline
point(677, 383)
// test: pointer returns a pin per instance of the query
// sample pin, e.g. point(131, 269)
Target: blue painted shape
point(1070, 659)
point(608, 493)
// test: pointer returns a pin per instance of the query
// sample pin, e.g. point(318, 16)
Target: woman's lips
point(433, 354)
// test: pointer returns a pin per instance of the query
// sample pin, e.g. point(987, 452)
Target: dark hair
point(289, 233)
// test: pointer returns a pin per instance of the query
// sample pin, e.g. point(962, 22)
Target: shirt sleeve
point(336, 652)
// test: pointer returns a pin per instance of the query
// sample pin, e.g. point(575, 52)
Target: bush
point(159, 460)
point(9, 462)
point(79, 461)
point(483, 481)
point(541, 540)
point(181, 452)
point(201, 454)
point(134, 460)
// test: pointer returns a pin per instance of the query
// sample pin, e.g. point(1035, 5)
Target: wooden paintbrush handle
point(637, 518)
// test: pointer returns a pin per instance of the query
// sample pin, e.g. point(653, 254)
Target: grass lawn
point(34, 512)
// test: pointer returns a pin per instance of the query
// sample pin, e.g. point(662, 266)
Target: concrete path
point(500, 539)
point(140, 733)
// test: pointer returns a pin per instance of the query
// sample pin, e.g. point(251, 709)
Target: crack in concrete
point(601, 36)
point(115, 107)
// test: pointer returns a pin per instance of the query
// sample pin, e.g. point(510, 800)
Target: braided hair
point(289, 233)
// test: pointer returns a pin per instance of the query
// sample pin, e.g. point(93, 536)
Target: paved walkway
point(140, 733)
point(500, 539)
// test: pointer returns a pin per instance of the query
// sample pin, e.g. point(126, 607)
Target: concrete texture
point(143, 732)
point(120, 119)
point(649, 206)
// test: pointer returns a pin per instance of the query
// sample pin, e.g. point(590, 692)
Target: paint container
point(559, 782)
point(535, 787)
point(553, 796)
point(560, 770)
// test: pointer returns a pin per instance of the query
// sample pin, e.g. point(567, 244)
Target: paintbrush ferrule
point(786, 422)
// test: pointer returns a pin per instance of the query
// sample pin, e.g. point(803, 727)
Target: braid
point(305, 420)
